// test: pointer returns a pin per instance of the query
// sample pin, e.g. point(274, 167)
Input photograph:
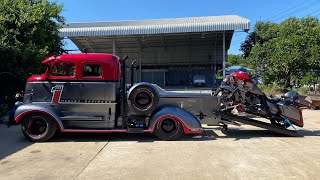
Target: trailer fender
point(190, 124)
point(26, 109)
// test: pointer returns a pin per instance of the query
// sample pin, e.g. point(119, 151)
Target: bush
point(273, 90)
point(303, 90)
point(4, 108)
point(270, 89)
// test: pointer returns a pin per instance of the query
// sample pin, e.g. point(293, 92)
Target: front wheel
point(168, 129)
point(38, 128)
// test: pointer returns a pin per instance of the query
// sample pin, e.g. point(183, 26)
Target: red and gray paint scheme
point(85, 93)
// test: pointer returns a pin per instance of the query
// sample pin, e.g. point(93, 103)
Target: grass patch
point(271, 89)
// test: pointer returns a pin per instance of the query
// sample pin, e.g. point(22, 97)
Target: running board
point(260, 124)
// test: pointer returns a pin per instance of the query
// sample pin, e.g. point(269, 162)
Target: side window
point(63, 69)
point(92, 70)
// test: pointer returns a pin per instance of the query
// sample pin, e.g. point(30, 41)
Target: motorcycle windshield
point(256, 90)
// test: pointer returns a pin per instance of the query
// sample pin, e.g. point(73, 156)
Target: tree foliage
point(286, 50)
point(28, 34)
point(236, 60)
point(248, 43)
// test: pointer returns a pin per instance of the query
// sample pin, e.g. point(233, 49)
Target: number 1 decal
point(57, 91)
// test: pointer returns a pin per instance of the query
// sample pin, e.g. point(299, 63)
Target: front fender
point(190, 124)
point(26, 109)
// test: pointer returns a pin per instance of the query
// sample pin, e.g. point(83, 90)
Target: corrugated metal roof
point(156, 26)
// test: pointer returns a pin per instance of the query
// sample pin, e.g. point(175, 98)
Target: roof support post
point(113, 45)
point(224, 54)
point(140, 70)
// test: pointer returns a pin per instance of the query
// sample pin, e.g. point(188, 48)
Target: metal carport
point(168, 51)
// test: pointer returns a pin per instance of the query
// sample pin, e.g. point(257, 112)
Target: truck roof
point(83, 57)
point(110, 66)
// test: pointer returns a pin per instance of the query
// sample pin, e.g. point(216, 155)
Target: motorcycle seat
point(274, 100)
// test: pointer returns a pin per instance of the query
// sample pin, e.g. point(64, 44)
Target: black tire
point(168, 129)
point(143, 100)
point(224, 130)
point(38, 127)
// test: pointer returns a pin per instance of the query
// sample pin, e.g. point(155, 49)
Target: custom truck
point(88, 93)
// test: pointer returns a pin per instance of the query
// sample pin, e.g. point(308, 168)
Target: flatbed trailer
point(245, 120)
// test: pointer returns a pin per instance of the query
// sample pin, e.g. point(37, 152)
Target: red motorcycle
point(238, 91)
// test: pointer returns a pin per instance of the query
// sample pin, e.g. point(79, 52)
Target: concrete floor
point(244, 153)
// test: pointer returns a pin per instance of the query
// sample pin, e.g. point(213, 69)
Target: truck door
point(63, 87)
point(98, 96)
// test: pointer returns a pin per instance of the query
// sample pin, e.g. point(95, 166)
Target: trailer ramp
point(260, 124)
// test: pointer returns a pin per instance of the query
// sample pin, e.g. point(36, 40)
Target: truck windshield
point(63, 69)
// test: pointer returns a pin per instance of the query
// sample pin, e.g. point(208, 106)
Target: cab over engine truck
point(87, 93)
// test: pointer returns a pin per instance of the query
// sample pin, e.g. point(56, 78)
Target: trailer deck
point(260, 124)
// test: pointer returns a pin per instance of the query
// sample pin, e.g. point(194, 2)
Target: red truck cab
point(80, 67)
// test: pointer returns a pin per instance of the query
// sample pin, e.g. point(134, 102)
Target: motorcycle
point(238, 91)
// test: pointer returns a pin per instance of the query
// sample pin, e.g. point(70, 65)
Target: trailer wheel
point(168, 129)
point(224, 129)
point(143, 100)
point(38, 127)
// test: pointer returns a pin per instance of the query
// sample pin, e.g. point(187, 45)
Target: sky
point(254, 10)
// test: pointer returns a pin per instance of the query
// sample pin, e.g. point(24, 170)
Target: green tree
point(248, 43)
point(28, 34)
point(286, 50)
point(311, 78)
point(235, 60)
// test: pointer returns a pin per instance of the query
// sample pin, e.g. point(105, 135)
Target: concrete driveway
point(244, 153)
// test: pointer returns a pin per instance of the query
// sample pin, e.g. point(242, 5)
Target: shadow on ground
point(12, 139)
point(141, 138)
point(309, 132)
point(208, 135)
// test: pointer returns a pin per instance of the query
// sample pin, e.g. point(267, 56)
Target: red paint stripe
point(20, 116)
point(301, 118)
point(102, 131)
point(95, 131)
point(148, 131)
point(56, 97)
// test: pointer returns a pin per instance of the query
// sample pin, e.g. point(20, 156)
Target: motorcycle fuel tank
point(242, 75)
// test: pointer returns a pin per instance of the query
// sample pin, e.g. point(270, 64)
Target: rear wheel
point(227, 100)
point(38, 127)
point(168, 129)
